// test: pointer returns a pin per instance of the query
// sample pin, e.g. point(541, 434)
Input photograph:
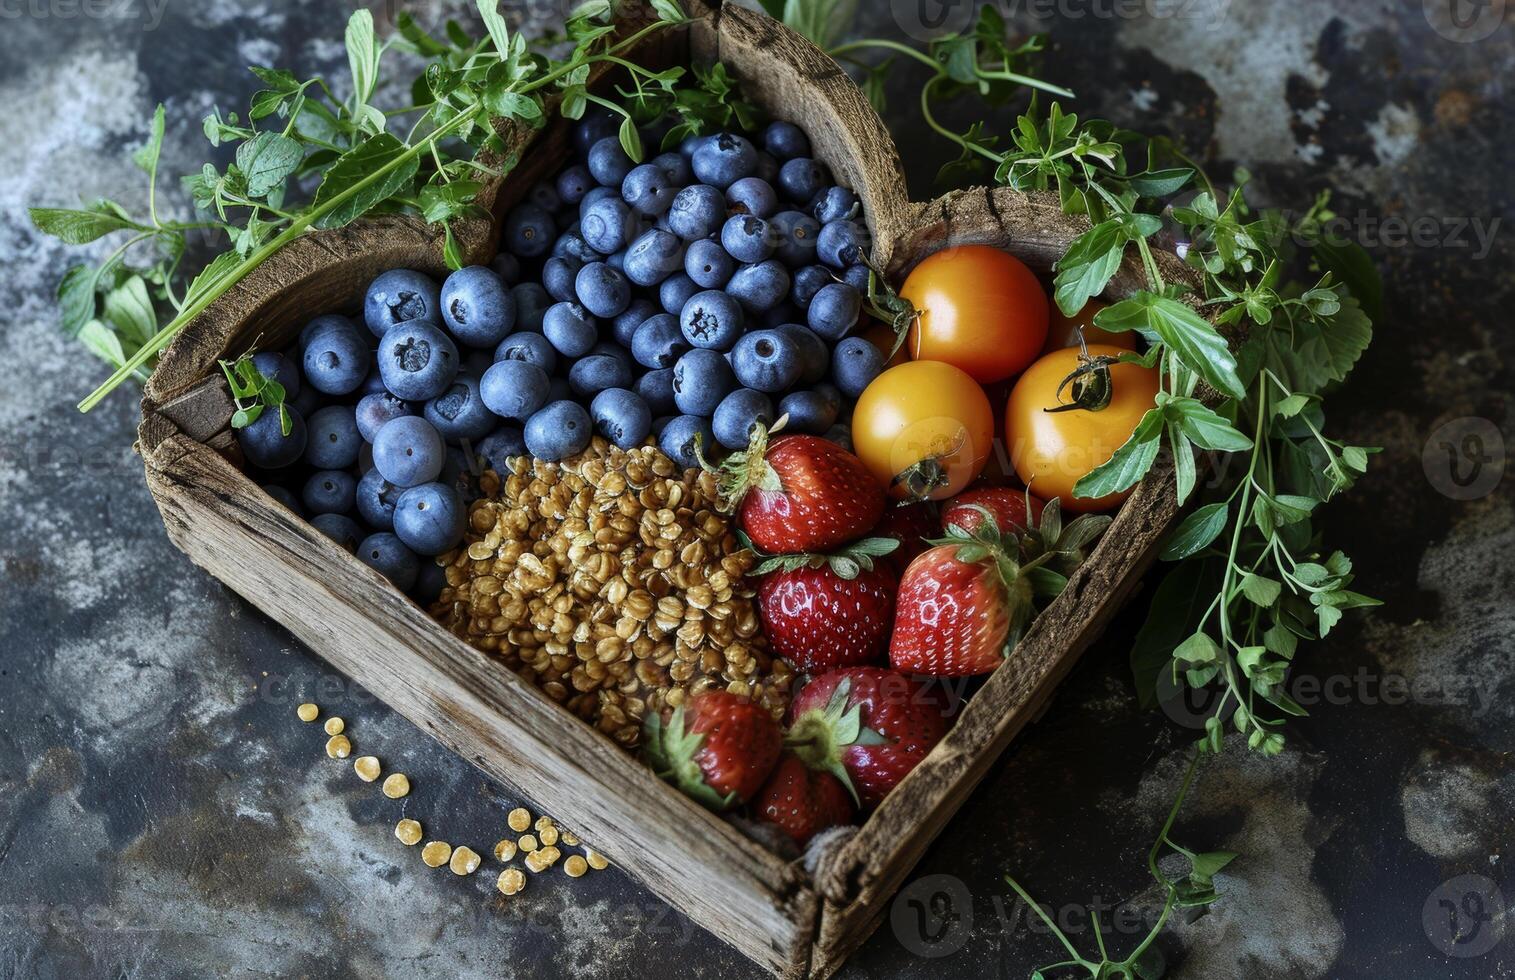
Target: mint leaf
point(1129, 463)
point(1197, 531)
point(1090, 263)
point(267, 160)
point(375, 170)
point(79, 227)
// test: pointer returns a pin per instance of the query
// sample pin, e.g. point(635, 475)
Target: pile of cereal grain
point(612, 582)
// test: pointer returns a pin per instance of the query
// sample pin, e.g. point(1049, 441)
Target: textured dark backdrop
point(162, 814)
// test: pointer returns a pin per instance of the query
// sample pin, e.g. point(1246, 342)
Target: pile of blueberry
point(687, 298)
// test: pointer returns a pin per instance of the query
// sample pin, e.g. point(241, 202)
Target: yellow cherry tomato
point(1052, 450)
point(1063, 331)
point(981, 310)
point(924, 429)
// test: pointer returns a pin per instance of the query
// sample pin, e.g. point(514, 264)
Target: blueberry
point(854, 365)
point(336, 360)
point(810, 412)
point(476, 360)
point(417, 360)
point(659, 342)
point(777, 316)
point(794, 235)
point(277, 367)
point(759, 287)
point(617, 260)
point(786, 141)
point(340, 528)
point(430, 581)
point(400, 295)
point(698, 212)
point(460, 471)
point(754, 196)
point(675, 166)
point(767, 360)
point(711, 319)
point(573, 183)
point(808, 281)
point(656, 389)
point(558, 389)
point(839, 434)
point(375, 500)
point(502, 445)
point(560, 276)
point(684, 438)
point(544, 194)
point(624, 327)
point(708, 264)
point(834, 310)
point(815, 353)
point(429, 518)
point(265, 443)
point(597, 123)
point(723, 160)
point(408, 451)
point(857, 276)
point(477, 307)
point(570, 328)
point(571, 245)
point(532, 302)
point(329, 492)
point(737, 415)
point(460, 412)
point(802, 178)
point(842, 243)
point(334, 439)
point(374, 410)
point(621, 416)
point(387, 555)
point(284, 496)
point(647, 189)
point(533, 348)
point(690, 143)
point(675, 291)
point(610, 348)
point(593, 374)
point(701, 378)
point(607, 224)
point(528, 230)
point(373, 381)
point(835, 204)
point(507, 267)
point(514, 389)
point(608, 161)
point(320, 325)
point(559, 430)
point(602, 290)
point(767, 168)
point(746, 238)
point(654, 256)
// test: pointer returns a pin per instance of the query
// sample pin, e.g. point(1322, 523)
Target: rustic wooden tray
point(791, 922)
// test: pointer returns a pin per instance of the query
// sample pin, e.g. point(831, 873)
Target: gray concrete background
point(162, 814)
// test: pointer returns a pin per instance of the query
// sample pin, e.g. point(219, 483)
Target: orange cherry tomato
point(981, 310)
point(1052, 450)
point(924, 429)
point(1062, 331)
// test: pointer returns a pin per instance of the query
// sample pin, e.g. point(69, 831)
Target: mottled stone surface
point(163, 814)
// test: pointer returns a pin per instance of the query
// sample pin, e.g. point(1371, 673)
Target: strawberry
point(867, 726)
point(802, 801)
point(800, 493)
point(718, 748)
point(1007, 505)
point(819, 619)
point(963, 605)
point(910, 525)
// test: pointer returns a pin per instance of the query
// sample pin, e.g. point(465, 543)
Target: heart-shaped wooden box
point(793, 922)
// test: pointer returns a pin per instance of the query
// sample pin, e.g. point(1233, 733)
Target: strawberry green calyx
point(747, 469)
point(670, 752)
point(847, 562)
point(1062, 546)
point(821, 735)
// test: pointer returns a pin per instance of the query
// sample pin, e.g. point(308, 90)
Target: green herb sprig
point(252, 394)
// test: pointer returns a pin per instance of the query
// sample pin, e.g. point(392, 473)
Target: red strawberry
point(953, 613)
point(800, 493)
point(910, 525)
point(867, 726)
point(803, 801)
point(819, 620)
point(722, 756)
point(1007, 505)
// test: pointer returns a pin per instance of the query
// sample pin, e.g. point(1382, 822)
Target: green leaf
point(451, 253)
point(362, 162)
point(669, 10)
point(1177, 604)
point(495, 24)
point(512, 105)
point(1206, 428)
point(1184, 471)
point(1087, 267)
point(1161, 183)
point(76, 298)
point(1197, 531)
point(266, 160)
point(362, 54)
point(1196, 342)
point(1199, 648)
point(631, 140)
point(130, 309)
point(80, 227)
point(1351, 264)
point(812, 18)
point(441, 202)
point(101, 341)
point(1129, 463)
point(147, 155)
point(1260, 589)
